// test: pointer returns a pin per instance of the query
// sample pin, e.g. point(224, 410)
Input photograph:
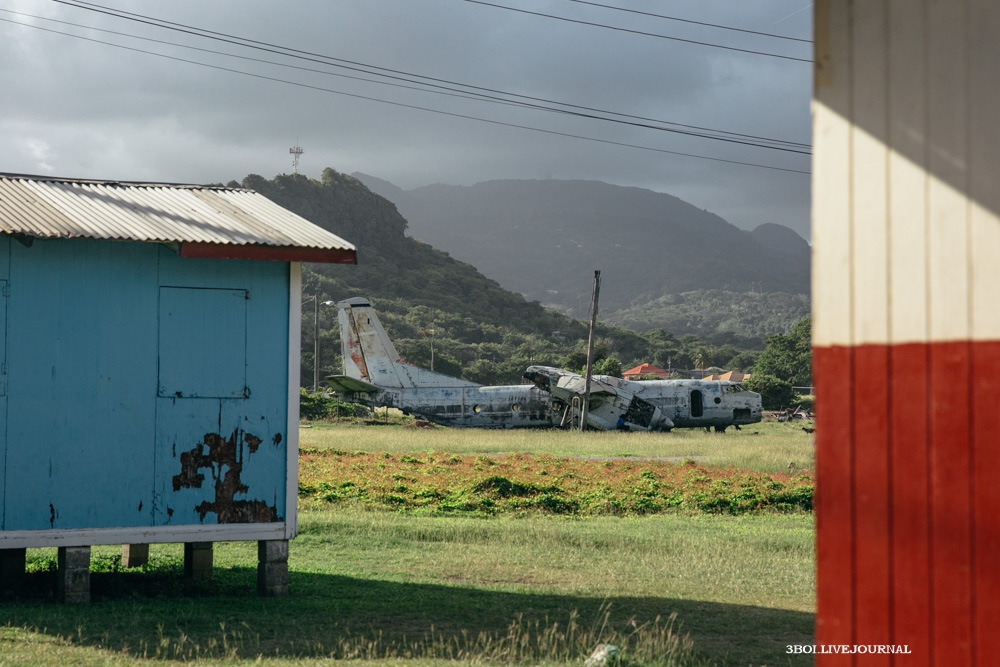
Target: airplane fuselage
point(695, 403)
point(656, 405)
point(515, 406)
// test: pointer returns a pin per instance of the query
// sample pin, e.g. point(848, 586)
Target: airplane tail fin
point(371, 357)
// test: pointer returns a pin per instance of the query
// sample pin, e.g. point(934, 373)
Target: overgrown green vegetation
point(721, 317)
point(784, 365)
point(789, 357)
point(442, 484)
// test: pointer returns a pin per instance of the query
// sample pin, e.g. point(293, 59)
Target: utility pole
point(316, 343)
point(590, 348)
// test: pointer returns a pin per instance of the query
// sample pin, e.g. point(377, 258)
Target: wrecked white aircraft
point(375, 375)
point(654, 405)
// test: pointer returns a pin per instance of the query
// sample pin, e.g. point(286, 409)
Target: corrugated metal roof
point(203, 216)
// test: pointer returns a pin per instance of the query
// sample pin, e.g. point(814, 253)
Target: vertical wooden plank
point(909, 408)
point(948, 265)
point(294, 344)
point(871, 323)
point(984, 164)
point(831, 191)
point(832, 330)
point(947, 164)
point(951, 592)
point(910, 488)
point(986, 501)
point(834, 502)
point(906, 94)
point(869, 161)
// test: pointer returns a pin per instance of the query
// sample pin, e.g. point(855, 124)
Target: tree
point(788, 357)
point(608, 366)
point(774, 392)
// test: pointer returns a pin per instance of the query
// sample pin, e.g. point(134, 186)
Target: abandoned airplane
point(374, 374)
point(653, 405)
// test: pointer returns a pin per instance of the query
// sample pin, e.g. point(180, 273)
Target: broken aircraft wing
point(343, 384)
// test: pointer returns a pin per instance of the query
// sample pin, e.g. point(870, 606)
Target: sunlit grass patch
point(768, 446)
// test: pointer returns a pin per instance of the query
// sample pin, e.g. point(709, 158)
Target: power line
point(408, 106)
point(637, 32)
point(440, 90)
point(701, 23)
point(465, 89)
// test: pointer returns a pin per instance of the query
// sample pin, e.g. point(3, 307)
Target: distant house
point(149, 360)
point(645, 370)
point(728, 376)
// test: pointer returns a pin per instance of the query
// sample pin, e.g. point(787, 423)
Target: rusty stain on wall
point(224, 458)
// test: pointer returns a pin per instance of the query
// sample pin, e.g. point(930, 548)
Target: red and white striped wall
point(906, 328)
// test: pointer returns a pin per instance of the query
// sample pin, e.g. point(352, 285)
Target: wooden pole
point(590, 349)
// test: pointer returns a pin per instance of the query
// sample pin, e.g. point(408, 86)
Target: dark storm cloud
point(80, 108)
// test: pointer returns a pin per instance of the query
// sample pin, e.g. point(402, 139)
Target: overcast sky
point(75, 106)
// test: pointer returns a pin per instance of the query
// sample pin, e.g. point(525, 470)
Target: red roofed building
point(643, 370)
point(728, 376)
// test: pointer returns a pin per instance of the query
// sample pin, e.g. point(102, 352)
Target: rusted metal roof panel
point(208, 217)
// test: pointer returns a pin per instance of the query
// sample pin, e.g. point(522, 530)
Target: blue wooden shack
point(149, 360)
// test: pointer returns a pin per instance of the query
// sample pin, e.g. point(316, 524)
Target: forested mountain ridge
point(544, 238)
point(429, 301)
point(718, 316)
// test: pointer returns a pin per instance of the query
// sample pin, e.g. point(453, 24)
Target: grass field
point(768, 446)
point(380, 587)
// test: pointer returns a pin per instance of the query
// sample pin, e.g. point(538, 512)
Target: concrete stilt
point(198, 560)
point(272, 568)
point(134, 555)
point(73, 578)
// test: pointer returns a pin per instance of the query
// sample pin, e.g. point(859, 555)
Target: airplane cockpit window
point(736, 388)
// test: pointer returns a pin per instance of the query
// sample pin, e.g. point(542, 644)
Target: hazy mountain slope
point(429, 301)
point(545, 238)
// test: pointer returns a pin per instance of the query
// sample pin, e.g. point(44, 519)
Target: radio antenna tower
point(295, 152)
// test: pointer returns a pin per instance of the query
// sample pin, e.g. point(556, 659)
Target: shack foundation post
point(134, 555)
point(198, 560)
point(272, 568)
point(73, 578)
